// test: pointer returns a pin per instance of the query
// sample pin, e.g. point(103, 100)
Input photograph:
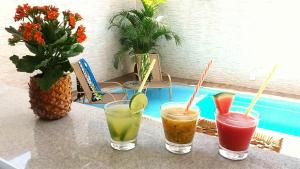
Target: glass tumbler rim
point(253, 113)
point(107, 105)
point(182, 104)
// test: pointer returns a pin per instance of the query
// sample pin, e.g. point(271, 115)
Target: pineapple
point(53, 103)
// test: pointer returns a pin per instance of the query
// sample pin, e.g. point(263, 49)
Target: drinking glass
point(123, 124)
point(179, 126)
point(235, 130)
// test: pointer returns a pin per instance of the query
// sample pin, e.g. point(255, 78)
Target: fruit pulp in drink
point(179, 125)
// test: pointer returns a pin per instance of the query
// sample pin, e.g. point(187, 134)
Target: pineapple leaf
point(50, 77)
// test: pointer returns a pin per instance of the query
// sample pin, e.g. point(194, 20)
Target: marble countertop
point(81, 141)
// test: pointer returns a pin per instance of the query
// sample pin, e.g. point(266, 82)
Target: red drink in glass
point(235, 130)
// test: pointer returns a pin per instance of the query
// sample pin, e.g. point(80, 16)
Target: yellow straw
point(261, 89)
point(147, 75)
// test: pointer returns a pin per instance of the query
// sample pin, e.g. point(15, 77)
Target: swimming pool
point(275, 114)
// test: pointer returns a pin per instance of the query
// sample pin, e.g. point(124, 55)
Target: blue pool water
point(277, 115)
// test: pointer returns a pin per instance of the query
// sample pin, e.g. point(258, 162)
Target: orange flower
point(28, 28)
point(66, 12)
point(72, 20)
point(80, 33)
point(39, 8)
point(38, 38)
point(78, 17)
point(21, 12)
point(27, 25)
point(26, 8)
point(52, 12)
point(20, 28)
point(27, 35)
point(36, 26)
point(38, 19)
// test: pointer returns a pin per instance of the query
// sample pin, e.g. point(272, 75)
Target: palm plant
point(140, 30)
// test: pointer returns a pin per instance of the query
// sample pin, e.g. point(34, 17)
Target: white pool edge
point(243, 92)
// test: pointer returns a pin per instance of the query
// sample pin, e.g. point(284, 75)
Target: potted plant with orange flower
point(51, 43)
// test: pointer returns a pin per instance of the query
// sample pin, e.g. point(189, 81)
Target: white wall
point(244, 37)
point(100, 45)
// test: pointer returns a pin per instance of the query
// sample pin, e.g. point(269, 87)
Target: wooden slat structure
point(106, 87)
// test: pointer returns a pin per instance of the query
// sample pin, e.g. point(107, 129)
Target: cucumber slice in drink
point(112, 130)
point(138, 101)
point(131, 133)
point(120, 134)
point(117, 127)
point(123, 134)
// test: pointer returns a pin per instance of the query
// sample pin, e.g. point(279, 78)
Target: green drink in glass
point(123, 124)
point(124, 117)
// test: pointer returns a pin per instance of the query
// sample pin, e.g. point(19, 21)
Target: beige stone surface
point(81, 140)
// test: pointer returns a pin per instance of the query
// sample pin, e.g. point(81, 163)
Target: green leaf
point(61, 40)
point(12, 41)
point(43, 64)
point(118, 57)
point(48, 31)
point(26, 64)
point(31, 48)
point(50, 77)
point(66, 66)
point(140, 31)
point(145, 63)
point(177, 39)
point(75, 50)
point(14, 59)
point(154, 2)
point(14, 31)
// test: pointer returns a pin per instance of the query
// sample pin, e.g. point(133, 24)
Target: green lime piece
point(138, 101)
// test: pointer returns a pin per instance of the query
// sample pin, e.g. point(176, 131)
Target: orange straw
point(201, 80)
